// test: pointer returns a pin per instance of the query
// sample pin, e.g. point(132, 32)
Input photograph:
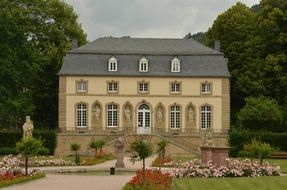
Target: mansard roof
point(196, 59)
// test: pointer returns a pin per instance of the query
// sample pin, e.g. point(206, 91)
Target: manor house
point(144, 86)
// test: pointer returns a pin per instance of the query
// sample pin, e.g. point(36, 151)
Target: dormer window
point(143, 65)
point(175, 65)
point(113, 64)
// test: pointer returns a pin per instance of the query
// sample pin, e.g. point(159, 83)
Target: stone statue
point(159, 116)
point(97, 112)
point(28, 128)
point(191, 115)
point(119, 149)
point(207, 137)
point(128, 114)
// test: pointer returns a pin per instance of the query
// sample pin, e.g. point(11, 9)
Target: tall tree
point(272, 19)
point(235, 30)
point(34, 37)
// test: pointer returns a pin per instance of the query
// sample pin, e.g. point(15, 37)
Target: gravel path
point(75, 181)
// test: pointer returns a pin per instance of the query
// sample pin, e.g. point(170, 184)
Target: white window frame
point(175, 117)
point(175, 88)
point(205, 117)
point(143, 87)
point(175, 65)
point(82, 86)
point(113, 87)
point(113, 64)
point(81, 114)
point(112, 115)
point(206, 88)
point(143, 65)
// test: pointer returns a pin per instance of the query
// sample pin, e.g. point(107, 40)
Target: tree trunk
point(160, 160)
point(261, 160)
point(144, 172)
point(26, 166)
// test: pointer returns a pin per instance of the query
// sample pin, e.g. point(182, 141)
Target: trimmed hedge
point(237, 139)
point(8, 139)
point(8, 150)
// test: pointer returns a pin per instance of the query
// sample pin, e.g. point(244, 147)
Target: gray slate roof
point(196, 59)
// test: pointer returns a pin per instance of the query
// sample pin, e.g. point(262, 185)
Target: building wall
point(159, 92)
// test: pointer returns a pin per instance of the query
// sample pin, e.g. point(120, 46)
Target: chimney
point(217, 45)
point(74, 43)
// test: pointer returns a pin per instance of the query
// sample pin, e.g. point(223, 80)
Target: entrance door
point(143, 123)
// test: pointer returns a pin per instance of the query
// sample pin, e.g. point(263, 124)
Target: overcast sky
point(149, 18)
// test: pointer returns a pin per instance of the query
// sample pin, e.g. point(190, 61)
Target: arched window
point(206, 115)
point(112, 113)
point(81, 115)
point(175, 117)
point(113, 64)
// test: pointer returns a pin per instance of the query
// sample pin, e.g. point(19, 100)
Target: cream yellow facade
point(168, 88)
point(159, 93)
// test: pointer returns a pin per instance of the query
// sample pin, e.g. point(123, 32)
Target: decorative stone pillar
point(216, 154)
point(119, 146)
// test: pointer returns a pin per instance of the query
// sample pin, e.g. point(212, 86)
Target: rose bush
point(233, 168)
point(154, 180)
point(10, 168)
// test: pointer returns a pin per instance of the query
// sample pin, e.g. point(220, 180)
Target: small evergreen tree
point(28, 148)
point(98, 144)
point(75, 147)
point(257, 149)
point(161, 145)
point(140, 150)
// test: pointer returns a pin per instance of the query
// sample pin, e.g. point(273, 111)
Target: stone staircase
point(176, 145)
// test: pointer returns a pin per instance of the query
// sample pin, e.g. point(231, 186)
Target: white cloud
point(148, 18)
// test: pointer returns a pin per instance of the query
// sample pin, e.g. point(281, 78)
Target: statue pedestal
point(217, 154)
point(120, 161)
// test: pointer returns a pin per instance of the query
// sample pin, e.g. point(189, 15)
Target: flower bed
point(160, 162)
point(233, 168)
point(50, 161)
point(154, 180)
point(10, 169)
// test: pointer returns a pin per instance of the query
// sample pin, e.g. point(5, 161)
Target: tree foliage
point(34, 37)
point(76, 147)
point(28, 148)
point(257, 149)
point(254, 40)
point(97, 144)
point(261, 113)
point(140, 150)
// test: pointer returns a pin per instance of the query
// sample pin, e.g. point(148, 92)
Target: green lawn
point(182, 158)
point(20, 180)
point(240, 183)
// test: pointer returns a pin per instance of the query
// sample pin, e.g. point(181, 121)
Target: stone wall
point(179, 145)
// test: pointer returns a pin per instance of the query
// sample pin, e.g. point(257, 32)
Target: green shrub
point(257, 149)
point(10, 138)
point(8, 150)
point(261, 113)
point(76, 147)
point(49, 138)
point(237, 139)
